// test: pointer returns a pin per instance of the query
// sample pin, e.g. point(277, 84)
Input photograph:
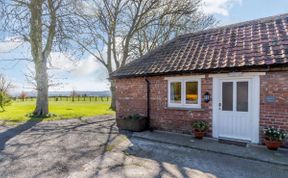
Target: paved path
point(251, 151)
point(95, 148)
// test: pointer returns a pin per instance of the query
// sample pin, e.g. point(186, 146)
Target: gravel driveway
point(95, 148)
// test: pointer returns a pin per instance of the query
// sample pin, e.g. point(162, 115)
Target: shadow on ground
point(41, 149)
point(10, 133)
point(138, 158)
point(94, 147)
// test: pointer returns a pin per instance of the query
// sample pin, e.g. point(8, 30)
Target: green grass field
point(18, 110)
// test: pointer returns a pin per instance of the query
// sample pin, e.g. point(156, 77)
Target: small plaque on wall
point(270, 99)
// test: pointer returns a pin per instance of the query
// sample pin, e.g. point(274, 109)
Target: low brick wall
point(131, 98)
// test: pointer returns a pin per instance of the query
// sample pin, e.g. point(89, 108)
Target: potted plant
point(274, 137)
point(135, 123)
point(200, 127)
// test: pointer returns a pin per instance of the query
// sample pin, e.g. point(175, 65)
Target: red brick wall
point(274, 114)
point(131, 98)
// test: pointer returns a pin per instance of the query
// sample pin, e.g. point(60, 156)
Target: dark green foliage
point(272, 133)
point(200, 125)
point(31, 115)
point(134, 117)
point(5, 100)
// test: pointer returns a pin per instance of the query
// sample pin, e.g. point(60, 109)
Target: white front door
point(235, 118)
point(236, 106)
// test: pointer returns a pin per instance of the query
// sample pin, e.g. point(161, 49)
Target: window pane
point(191, 92)
point(227, 96)
point(242, 96)
point(175, 92)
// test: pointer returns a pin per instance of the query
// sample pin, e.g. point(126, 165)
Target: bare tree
point(118, 31)
point(23, 95)
point(73, 94)
point(5, 84)
point(30, 76)
point(46, 26)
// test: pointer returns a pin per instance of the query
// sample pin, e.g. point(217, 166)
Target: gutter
point(148, 102)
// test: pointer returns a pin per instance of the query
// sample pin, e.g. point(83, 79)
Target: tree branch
point(51, 31)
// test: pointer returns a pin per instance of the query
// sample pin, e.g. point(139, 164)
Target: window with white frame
point(184, 92)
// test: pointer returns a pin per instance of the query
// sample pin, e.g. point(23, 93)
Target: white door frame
point(255, 103)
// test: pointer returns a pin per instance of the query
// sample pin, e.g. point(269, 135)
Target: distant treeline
point(67, 98)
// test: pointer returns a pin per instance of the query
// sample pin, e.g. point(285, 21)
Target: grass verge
point(19, 110)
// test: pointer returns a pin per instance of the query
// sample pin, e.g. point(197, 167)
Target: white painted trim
point(237, 74)
point(255, 87)
point(185, 77)
point(183, 81)
point(215, 98)
point(256, 103)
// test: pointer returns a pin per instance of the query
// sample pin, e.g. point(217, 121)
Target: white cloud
point(82, 75)
point(219, 6)
point(18, 87)
point(86, 67)
point(83, 84)
point(10, 44)
point(79, 67)
point(87, 7)
point(62, 61)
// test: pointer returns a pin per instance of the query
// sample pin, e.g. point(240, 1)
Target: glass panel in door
point(242, 96)
point(227, 96)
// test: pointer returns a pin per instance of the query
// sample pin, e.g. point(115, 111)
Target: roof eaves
point(205, 71)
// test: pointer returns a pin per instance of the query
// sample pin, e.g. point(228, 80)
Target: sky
point(88, 75)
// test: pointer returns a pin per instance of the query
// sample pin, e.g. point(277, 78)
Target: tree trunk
point(41, 109)
point(113, 96)
point(39, 58)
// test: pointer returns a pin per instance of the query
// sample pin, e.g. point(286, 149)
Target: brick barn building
point(235, 77)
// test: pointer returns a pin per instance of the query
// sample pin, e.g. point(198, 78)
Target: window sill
point(185, 109)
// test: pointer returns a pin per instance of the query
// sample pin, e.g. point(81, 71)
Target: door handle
point(220, 106)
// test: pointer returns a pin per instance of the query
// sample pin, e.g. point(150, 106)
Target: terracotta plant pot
point(199, 134)
point(272, 144)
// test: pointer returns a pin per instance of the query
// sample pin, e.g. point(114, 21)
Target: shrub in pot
point(274, 137)
point(200, 127)
point(135, 123)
